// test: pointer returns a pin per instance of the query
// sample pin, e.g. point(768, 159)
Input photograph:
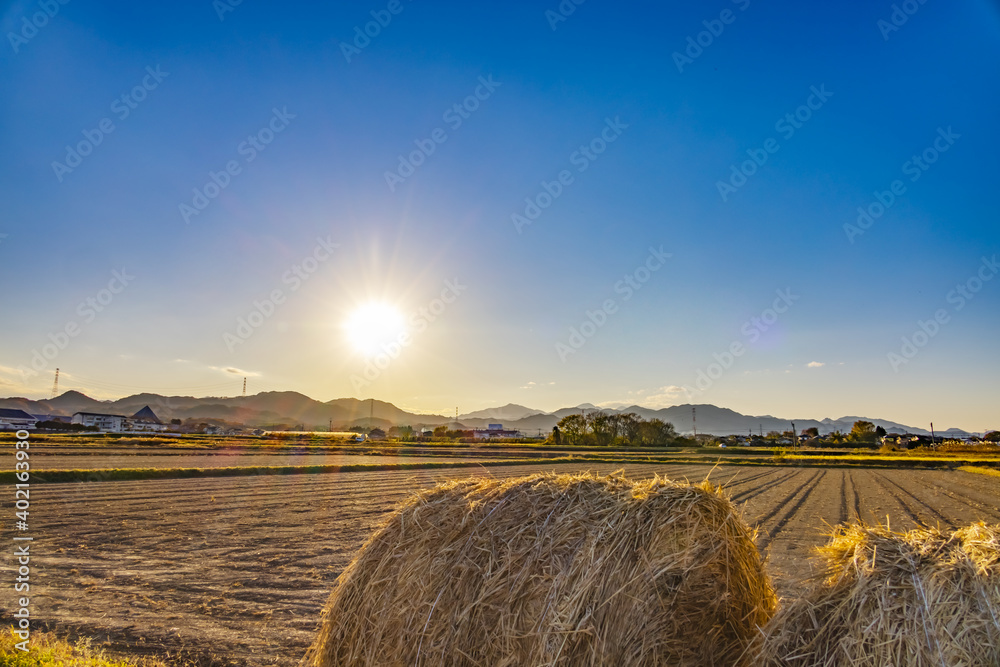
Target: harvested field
point(216, 460)
point(240, 568)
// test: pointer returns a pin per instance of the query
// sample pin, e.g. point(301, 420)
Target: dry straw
point(551, 570)
point(924, 598)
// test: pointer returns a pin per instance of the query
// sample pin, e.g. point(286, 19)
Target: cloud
point(663, 397)
point(815, 364)
point(530, 385)
point(230, 370)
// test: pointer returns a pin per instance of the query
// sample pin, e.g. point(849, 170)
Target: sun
point(374, 326)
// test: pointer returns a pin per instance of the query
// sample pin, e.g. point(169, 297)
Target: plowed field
point(236, 570)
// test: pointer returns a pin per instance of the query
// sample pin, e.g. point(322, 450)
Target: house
point(376, 434)
point(145, 420)
point(107, 423)
point(14, 419)
point(495, 432)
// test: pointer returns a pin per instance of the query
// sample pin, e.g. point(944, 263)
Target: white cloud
point(230, 370)
point(815, 364)
point(663, 397)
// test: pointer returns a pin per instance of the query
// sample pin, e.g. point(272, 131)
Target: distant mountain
point(294, 409)
point(509, 412)
point(264, 409)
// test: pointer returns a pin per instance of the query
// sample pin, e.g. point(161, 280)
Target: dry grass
point(551, 570)
point(980, 470)
point(922, 598)
point(46, 648)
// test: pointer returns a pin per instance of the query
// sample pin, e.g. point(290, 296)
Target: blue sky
point(312, 219)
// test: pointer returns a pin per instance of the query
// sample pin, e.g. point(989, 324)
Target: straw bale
point(551, 570)
point(921, 598)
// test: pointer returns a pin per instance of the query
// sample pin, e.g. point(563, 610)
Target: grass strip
point(979, 470)
point(131, 474)
point(45, 648)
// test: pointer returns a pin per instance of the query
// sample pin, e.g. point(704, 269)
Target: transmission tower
point(55, 385)
point(244, 387)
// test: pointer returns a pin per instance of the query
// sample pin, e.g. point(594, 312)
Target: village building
point(495, 432)
point(145, 420)
point(16, 420)
point(103, 422)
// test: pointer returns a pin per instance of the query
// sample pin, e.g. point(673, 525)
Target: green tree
point(655, 433)
point(862, 431)
point(627, 427)
point(603, 427)
point(574, 429)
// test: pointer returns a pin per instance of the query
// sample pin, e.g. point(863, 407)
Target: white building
point(108, 423)
point(145, 420)
point(16, 419)
point(495, 432)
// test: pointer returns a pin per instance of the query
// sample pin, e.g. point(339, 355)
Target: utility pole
point(932, 431)
point(371, 414)
point(795, 437)
point(694, 421)
point(55, 385)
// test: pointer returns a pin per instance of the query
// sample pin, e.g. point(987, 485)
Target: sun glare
point(373, 326)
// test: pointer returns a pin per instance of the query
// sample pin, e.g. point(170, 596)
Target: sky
point(780, 208)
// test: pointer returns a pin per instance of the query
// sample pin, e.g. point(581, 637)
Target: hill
point(294, 409)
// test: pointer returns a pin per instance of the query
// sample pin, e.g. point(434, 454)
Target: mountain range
point(289, 409)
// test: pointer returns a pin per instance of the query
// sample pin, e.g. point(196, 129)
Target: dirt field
point(239, 568)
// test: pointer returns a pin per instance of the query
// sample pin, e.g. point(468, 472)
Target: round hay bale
point(551, 570)
point(921, 598)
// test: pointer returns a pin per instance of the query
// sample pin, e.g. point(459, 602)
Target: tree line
point(616, 428)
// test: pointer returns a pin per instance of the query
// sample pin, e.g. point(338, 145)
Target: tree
point(992, 436)
point(862, 431)
point(440, 431)
point(627, 427)
point(879, 432)
point(811, 432)
point(556, 435)
point(574, 429)
point(603, 426)
point(655, 433)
